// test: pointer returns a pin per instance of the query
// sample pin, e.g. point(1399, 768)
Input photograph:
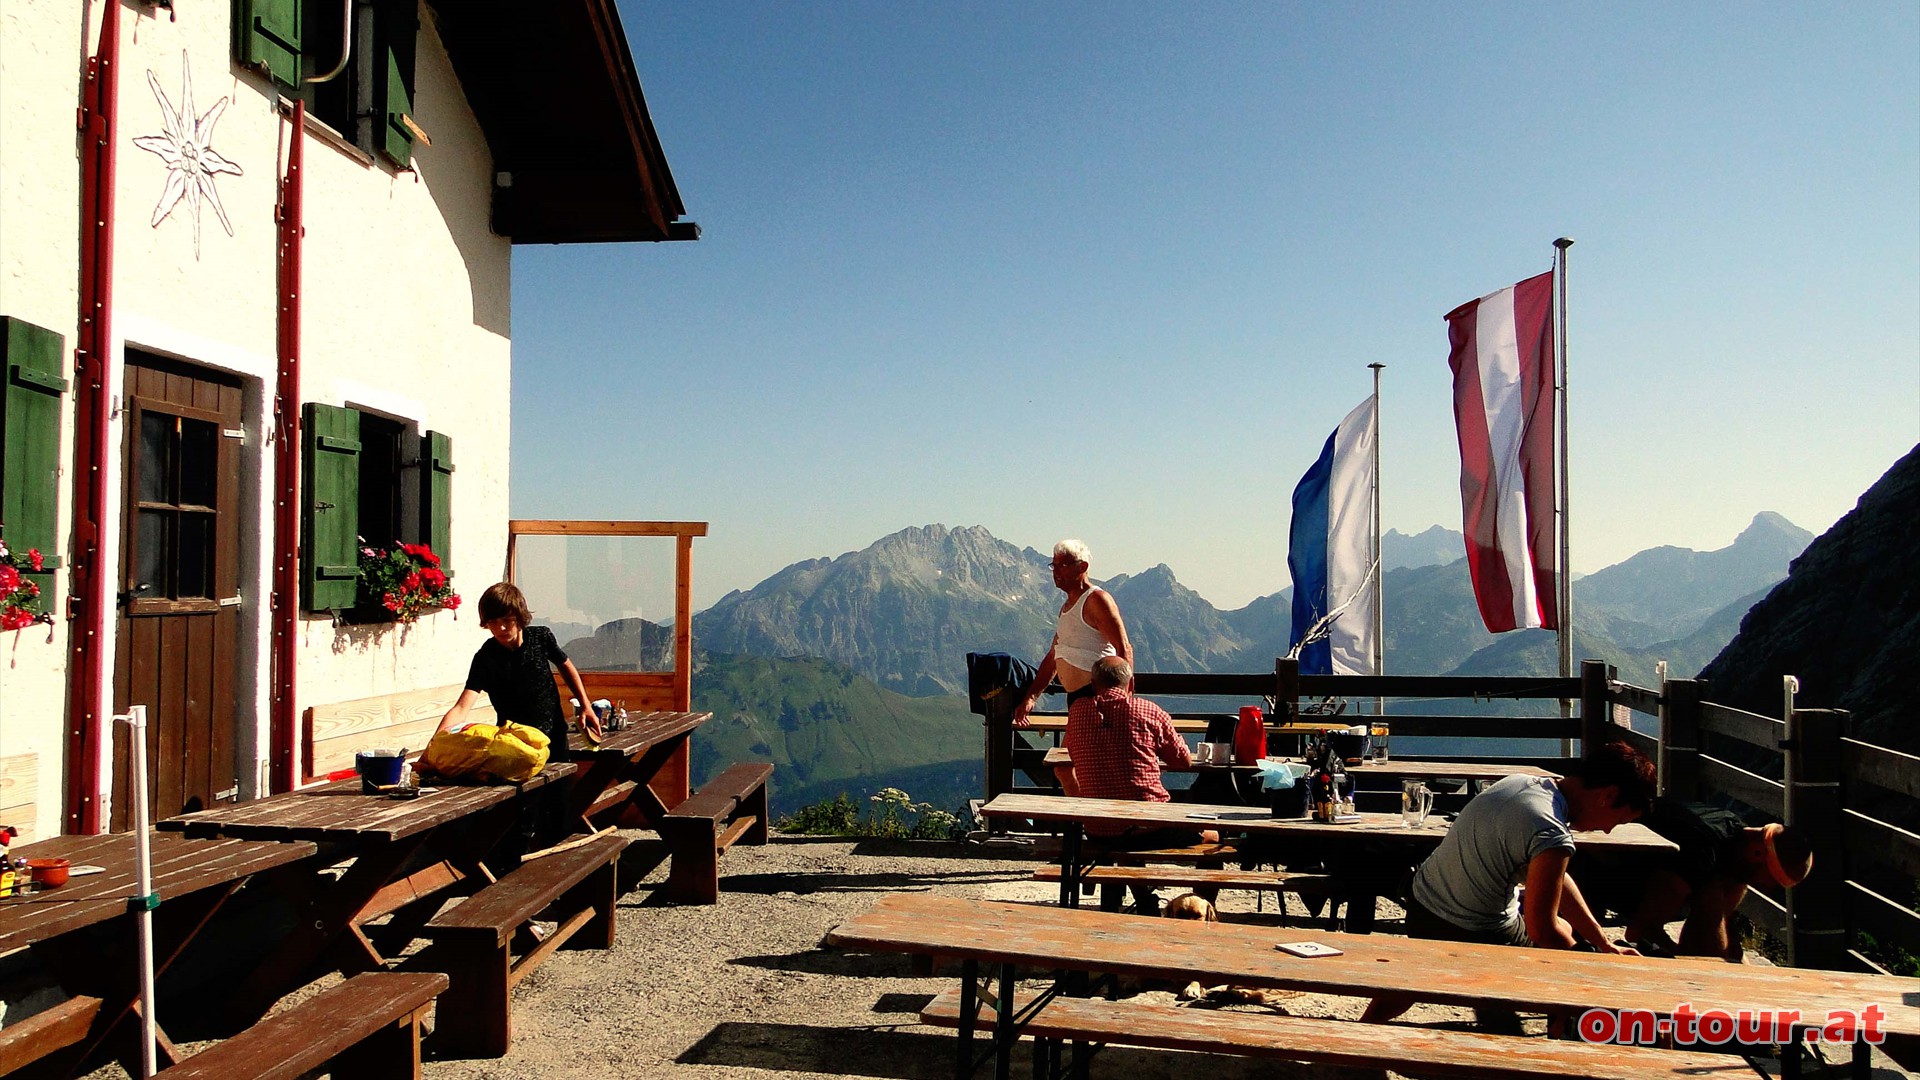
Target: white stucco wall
point(405, 304)
point(39, 282)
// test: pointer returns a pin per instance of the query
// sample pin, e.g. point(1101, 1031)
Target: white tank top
point(1077, 643)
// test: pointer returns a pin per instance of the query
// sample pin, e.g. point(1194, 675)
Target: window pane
point(196, 555)
point(155, 464)
point(199, 471)
point(150, 557)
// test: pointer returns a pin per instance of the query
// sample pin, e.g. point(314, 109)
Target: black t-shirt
point(520, 681)
point(1710, 838)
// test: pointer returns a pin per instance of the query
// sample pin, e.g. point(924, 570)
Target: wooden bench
point(473, 942)
point(1417, 1050)
point(730, 808)
point(368, 1026)
point(49, 1030)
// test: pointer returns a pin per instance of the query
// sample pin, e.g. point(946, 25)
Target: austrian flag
point(1503, 407)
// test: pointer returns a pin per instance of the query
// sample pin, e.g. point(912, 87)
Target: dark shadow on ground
point(896, 1054)
point(901, 1003)
point(877, 847)
point(804, 884)
point(835, 962)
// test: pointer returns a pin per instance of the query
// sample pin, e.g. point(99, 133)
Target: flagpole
point(1379, 572)
point(1560, 247)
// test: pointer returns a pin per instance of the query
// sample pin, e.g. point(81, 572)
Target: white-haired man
point(1089, 628)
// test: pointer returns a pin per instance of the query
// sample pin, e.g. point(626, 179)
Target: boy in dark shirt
point(513, 670)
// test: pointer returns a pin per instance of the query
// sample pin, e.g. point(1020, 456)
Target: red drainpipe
point(282, 774)
point(89, 602)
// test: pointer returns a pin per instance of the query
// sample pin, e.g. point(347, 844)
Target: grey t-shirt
point(1472, 879)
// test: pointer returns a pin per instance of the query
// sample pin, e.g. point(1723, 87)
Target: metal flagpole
point(1379, 597)
point(144, 901)
point(1565, 582)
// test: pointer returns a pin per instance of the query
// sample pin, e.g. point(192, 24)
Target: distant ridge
point(1435, 547)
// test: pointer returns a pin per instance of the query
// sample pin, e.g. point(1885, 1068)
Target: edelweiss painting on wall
point(186, 145)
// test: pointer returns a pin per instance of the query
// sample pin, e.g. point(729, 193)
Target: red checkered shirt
point(1118, 755)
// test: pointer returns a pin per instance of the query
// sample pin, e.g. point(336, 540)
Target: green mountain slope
point(823, 727)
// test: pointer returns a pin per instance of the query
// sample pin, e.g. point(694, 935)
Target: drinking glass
point(1416, 802)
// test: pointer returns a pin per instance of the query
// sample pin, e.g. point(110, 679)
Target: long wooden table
point(409, 856)
point(1057, 938)
point(1073, 815)
point(635, 775)
point(192, 878)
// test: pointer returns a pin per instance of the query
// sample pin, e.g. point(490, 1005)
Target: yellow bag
point(510, 752)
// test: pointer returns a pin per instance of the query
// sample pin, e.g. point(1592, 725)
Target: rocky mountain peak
point(1846, 621)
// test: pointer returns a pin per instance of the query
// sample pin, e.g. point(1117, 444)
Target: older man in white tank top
point(1088, 629)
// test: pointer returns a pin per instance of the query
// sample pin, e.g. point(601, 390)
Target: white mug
point(1203, 754)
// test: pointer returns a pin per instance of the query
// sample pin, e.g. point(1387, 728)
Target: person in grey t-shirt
point(1520, 832)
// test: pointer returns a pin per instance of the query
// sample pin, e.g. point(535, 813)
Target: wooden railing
point(1804, 769)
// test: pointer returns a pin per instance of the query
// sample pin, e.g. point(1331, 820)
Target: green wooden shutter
point(436, 495)
point(31, 359)
point(267, 37)
point(332, 552)
point(396, 28)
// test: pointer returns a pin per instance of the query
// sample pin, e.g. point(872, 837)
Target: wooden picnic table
point(637, 774)
point(193, 878)
point(1444, 972)
point(409, 856)
point(1413, 841)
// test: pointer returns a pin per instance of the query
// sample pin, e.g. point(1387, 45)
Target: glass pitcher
point(1416, 802)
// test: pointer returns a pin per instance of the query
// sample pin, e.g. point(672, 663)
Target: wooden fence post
point(1680, 738)
point(1596, 710)
point(1286, 689)
point(1817, 907)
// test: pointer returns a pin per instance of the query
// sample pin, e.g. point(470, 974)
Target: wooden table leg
point(82, 969)
point(318, 925)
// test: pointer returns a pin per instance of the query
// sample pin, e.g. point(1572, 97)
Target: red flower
point(391, 602)
point(35, 560)
point(412, 582)
point(452, 603)
point(435, 579)
point(14, 618)
point(33, 589)
point(9, 579)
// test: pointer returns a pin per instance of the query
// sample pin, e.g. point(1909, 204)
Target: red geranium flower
point(35, 559)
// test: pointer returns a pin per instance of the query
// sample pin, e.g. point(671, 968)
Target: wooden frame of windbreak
point(641, 690)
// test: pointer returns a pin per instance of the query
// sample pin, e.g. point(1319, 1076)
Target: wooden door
point(179, 617)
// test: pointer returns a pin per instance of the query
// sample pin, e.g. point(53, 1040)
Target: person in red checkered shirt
point(1118, 743)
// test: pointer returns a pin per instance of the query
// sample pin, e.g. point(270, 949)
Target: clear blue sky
point(1116, 270)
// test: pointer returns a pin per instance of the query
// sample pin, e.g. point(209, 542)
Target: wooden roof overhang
point(576, 158)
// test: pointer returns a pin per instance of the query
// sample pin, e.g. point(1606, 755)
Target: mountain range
point(849, 673)
point(906, 610)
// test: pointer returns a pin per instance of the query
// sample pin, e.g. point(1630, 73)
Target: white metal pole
point(1565, 581)
point(1379, 572)
point(144, 901)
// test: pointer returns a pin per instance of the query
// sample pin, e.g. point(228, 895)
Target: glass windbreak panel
point(154, 467)
point(609, 599)
point(199, 469)
point(150, 555)
point(194, 567)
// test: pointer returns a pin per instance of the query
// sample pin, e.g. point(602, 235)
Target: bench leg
point(392, 1053)
point(694, 877)
point(475, 1015)
point(599, 893)
point(755, 803)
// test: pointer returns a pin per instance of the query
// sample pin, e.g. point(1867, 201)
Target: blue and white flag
point(1331, 553)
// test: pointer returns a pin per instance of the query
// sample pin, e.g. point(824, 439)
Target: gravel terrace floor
point(744, 991)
